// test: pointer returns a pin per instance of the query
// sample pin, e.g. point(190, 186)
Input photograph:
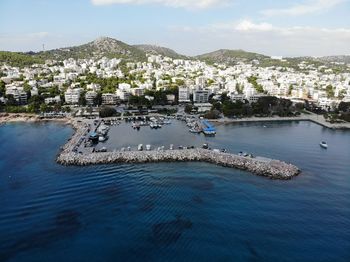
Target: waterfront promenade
point(318, 119)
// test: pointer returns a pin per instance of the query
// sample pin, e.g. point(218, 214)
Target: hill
point(158, 50)
point(112, 48)
point(335, 59)
point(98, 48)
point(226, 56)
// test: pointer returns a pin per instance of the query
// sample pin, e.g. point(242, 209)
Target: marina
point(81, 150)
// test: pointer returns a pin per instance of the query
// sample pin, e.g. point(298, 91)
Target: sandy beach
point(30, 118)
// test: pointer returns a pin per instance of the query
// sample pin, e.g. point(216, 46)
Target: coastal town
point(94, 95)
point(107, 87)
point(174, 130)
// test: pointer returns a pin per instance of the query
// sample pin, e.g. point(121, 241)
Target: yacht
point(323, 144)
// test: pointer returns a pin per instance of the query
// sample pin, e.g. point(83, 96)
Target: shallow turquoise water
point(176, 211)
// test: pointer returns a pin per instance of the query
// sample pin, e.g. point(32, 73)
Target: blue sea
point(175, 211)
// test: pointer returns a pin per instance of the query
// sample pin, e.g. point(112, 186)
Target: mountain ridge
point(110, 47)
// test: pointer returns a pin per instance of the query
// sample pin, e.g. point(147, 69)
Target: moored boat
point(102, 138)
point(324, 144)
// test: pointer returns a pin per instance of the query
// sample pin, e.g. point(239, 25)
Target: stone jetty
point(263, 167)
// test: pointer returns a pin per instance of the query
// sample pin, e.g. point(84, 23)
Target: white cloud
point(266, 38)
point(247, 25)
point(190, 4)
point(309, 7)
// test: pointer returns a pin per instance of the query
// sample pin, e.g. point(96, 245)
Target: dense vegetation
point(253, 80)
point(19, 59)
point(265, 106)
point(107, 111)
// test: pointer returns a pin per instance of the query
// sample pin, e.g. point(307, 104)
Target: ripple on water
point(167, 233)
point(64, 225)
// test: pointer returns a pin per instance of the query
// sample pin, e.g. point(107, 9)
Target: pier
point(270, 168)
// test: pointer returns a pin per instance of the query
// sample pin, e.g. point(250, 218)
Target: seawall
point(263, 167)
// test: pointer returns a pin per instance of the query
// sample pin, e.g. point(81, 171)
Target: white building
point(18, 94)
point(122, 94)
point(93, 87)
point(109, 99)
point(237, 97)
point(202, 107)
point(90, 97)
point(255, 98)
point(53, 100)
point(184, 95)
point(138, 91)
point(201, 81)
point(72, 96)
point(200, 96)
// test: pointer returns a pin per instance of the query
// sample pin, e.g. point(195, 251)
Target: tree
point(34, 104)
point(82, 100)
point(107, 111)
point(330, 91)
point(27, 88)
point(290, 90)
point(344, 107)
point(217, 106)
point(2, 88)
point(44, 108)
point(10, 100)
point(231, 109)
point(212, 114)
point(299, 106)
point(253, 80)
point(188, 108)
point(224, 97)
point(98, 99)
point(239, 88)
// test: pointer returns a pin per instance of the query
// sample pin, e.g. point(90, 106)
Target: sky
point(190, 27)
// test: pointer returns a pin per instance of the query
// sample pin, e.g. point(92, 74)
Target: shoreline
point(317, 119)
point(30, 118)
point(312, 118)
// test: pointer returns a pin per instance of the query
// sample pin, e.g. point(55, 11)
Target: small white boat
point(148, 147)
point(324, 144)
point(195, 131)
point(140, 147)
point(102, 138)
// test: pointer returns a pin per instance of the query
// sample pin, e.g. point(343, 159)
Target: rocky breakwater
point(269, 168)
point(81, 130)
